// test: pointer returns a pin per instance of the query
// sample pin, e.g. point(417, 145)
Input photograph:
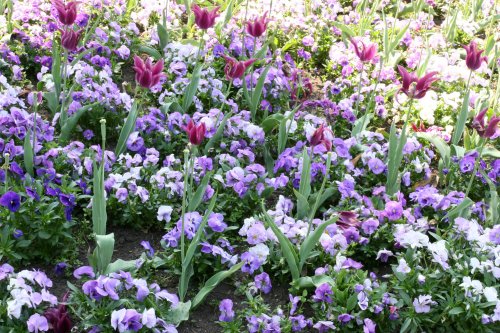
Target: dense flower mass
point(249, 166)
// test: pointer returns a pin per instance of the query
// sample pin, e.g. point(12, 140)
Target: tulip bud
point(473, 58)
point(257, 27)
point(196, 133)
point(203, 18)
point(147, 74)
point(70, 39)
point(66, 12)
point(319, 137)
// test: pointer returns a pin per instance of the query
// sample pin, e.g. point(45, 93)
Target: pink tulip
point(235, 69)
point(147, 74)
point(367, 52)
point(70, 39)
point(203, 18)
point(257, 27)
point(319, 137)
point(485, 130)
point(415, 87)
point(66, 12)
point(196, 133)
point(473, 59)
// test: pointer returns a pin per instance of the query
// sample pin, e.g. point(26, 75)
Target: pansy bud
point(66, 12)
point(257, 27)
point(147, 74)
point(235, 69)
point(196, 133)
point(70, 39)
point(204, 18)
point(473, 58)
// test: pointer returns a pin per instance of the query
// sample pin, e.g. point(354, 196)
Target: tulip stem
point(476, 165)
point(243, 47)
point(368, 111)
point(359, 88)
point(184, 193)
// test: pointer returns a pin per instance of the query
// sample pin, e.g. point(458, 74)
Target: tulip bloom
point(66, 12)
point(319, 137)
point(70, 39)
point(203, 18)
point(235, 69)
point(58, 318)
point(147, 74)
point(367, 52)
point(257, 27)
point(196, 133)
point(415, 87)
point(485, 130)
point(347, 219)
point(473, 59)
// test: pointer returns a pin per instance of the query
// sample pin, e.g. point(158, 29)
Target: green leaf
point(179, 313)
point(257, 92)
point(271, 122)
point(450, 30)
point(302, 205)
point(305, 176)
point(459, 210)
point(71, 122)
point(212, 283)
point(397, 38)
point(121, 265)
point(52, 99)
point(162, 35)
point(150, 51)
point(195, 201)
point(351, 302)
point(103, 252)
point(313, 281)
point(344, 28)
point(191, 88)
point(127, 129)
point(310, 242)
point(361, 124)
point(187, 270)
point(440, 144)
point(80, 56)
point(56, 68)
point(456, 310)
point(461, 120)
point(406, 325)
point(491, 152)
point(218, 135)
point(99, 215)
point(28, 154)
point(287, 248)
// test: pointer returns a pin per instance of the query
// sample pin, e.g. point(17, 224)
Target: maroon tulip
point(66, 12)
point(70, 39)
point(485, 130)
point(347, 220)
point(235, 69)
point(367, 52)
point(415, 87)
point(196, 133)
point(147, 74)
point(203, 18)
point(473, 59)
point(257, 27)
point(319, 137)
point(58, 318)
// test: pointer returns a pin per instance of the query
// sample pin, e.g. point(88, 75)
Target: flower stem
point(184, 193)
point(359, 88)
point(476, 165)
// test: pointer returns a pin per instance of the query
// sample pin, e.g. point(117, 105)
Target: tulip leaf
point(121, 265)
point(395, 158)
point(305, 176)
point(213, 282)
point(284, 129)
point(56, 69)
point(287, 248)
point(191, 88)
point(271, 122)
point(461, 120)
point(459, 210)
point(162, 35)
point(218, 135)
point(28, 154)
point(103, 252)
point(494, 209)
point(195, 201)
point(70, 124)
point(52, 101)
point(311, 240)
point(442, 147)
point(80, 56)
point(150, 51)
point(314, 281)
point(257, 92)
point(127, 129)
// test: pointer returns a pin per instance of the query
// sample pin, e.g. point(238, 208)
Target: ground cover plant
point(249, 166)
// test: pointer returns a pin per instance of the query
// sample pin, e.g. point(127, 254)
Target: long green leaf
point(310, 242)
point(103, 252)
point(305, 176)
point(150, 51)
point(195, 201)
point(257, 92)
point(56, 68)
point(28, 154)
point(459, 210)
point(440, 144)
point(494, 209)
point(71, 122)
point(121, 265)
point(162, 35)
point(287, 247)
point(218, 135)
point(212, 283)
point(191, 88)
point(127, 129)
point(461, 120)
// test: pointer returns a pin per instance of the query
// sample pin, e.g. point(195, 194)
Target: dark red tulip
point(58, 318)
point(147, 74)
point(347, 220)
point(367, 52)
point(204, 18)
point(473, 59)
point(66, 12)
point(70, 39)
point(319, 137)
point(420, 128)
point(415, 87)
point(485, 130)
point(196, 133)
point(257, 27)
point(236, 69)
